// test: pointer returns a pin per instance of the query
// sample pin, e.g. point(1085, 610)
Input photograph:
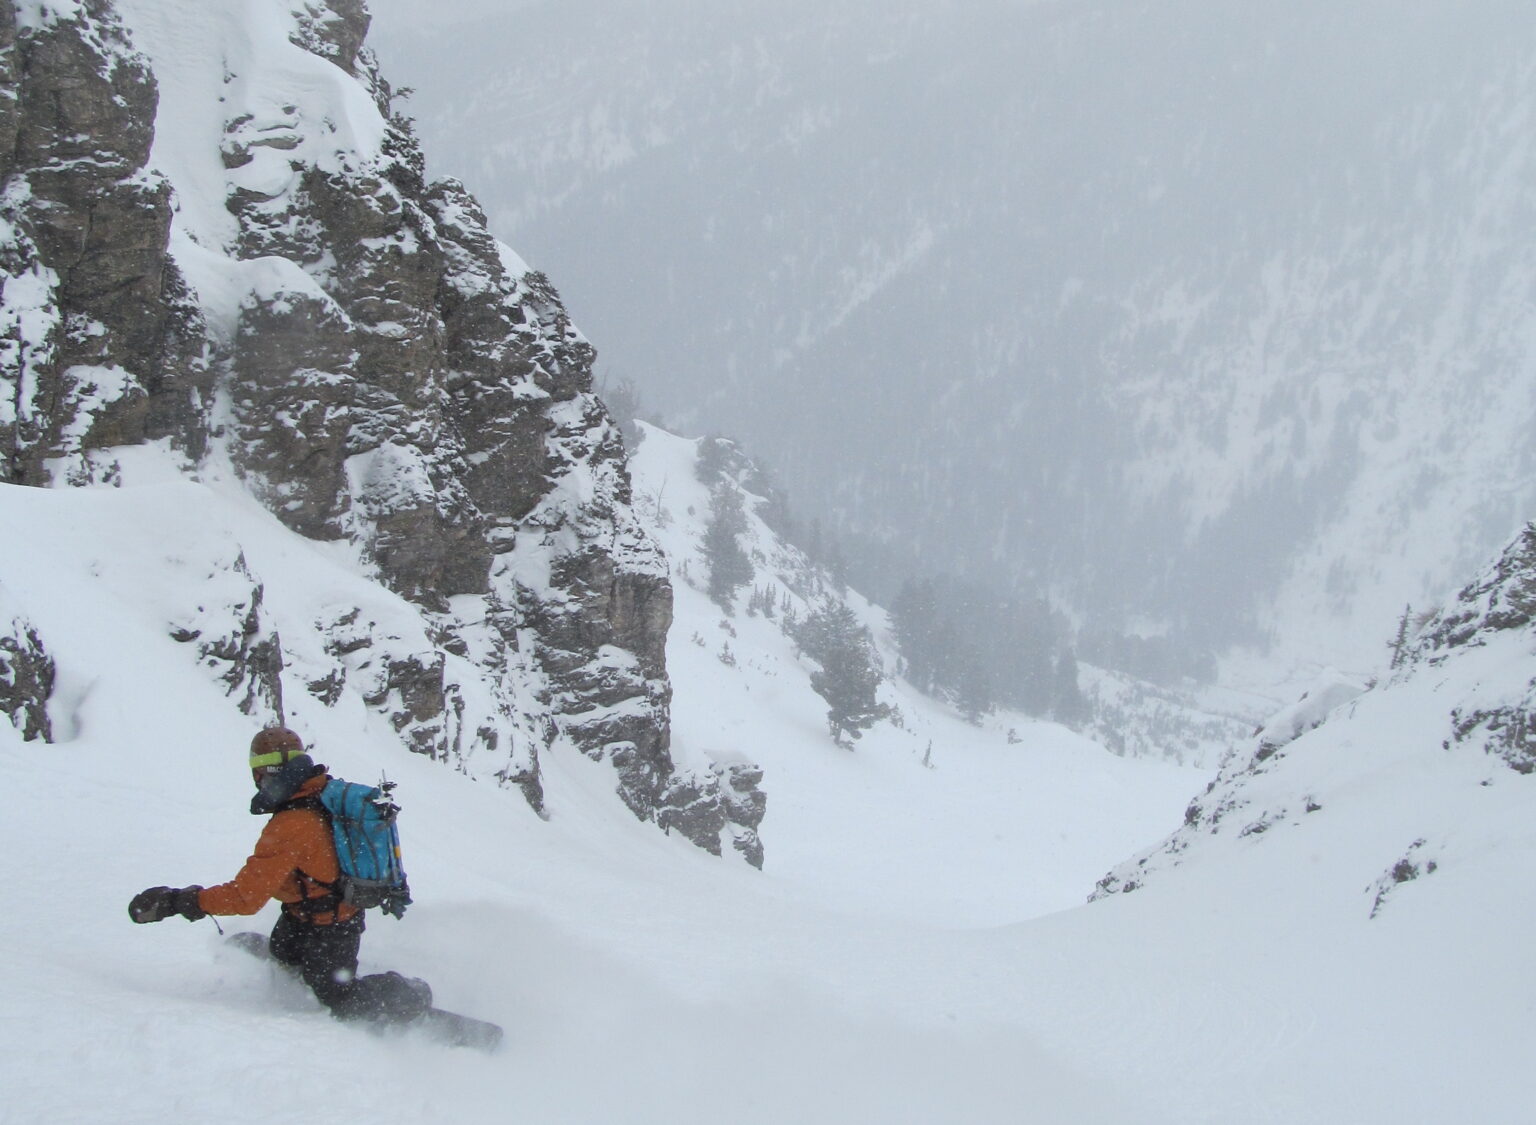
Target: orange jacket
point(294, 854)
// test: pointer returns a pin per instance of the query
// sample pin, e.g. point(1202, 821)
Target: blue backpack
point(367, 845)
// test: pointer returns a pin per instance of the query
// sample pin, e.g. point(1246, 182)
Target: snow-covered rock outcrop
point(100, 341)
point(1496, 611)
point(27, 675)
point(217, 240)
point(1395, 781)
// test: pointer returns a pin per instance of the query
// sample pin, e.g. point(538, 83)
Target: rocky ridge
point(1458, 702)
point(1499, 602)
point(347, 340)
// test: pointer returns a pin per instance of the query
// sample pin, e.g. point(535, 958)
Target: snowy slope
point(890, 963)
point(587, 928)
point(992, 832)
point(1423, 774)
point(916, 948)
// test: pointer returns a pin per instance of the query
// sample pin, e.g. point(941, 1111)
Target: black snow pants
point(326, 957)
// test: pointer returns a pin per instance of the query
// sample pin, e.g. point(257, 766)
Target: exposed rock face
point(26, 678)
point(709, 807)
point(234, 640)
point(101, 341)
point(1500, 600)
point(333, 29)
point(745, 805)
point(386, 374)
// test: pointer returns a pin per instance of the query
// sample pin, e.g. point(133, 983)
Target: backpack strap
point(310, 905)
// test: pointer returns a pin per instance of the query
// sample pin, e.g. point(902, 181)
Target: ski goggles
point(275, 758)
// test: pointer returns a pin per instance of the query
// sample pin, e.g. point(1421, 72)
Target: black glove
point(159, 903)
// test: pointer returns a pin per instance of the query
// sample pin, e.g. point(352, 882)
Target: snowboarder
point(317, 934)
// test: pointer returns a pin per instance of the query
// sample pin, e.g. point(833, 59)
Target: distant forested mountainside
point(1203, 320)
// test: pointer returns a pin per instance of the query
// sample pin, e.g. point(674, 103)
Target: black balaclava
point(279, 785)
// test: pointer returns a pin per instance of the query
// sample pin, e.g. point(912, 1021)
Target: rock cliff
point(218, 240)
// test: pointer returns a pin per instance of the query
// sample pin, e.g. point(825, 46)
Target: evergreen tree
point(1037, 643)
point(729, 567)
point(1068, 704)
point(1400, 642)
point(622, 398)
point(837, 568)
point(849, 675)
point(980, 646)
point(973, 689)
point(716, 456)
point(915, 622)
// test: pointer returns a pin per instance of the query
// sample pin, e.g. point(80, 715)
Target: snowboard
point(437, 1024)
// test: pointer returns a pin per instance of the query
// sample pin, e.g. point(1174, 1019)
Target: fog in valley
point(1209, 326)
